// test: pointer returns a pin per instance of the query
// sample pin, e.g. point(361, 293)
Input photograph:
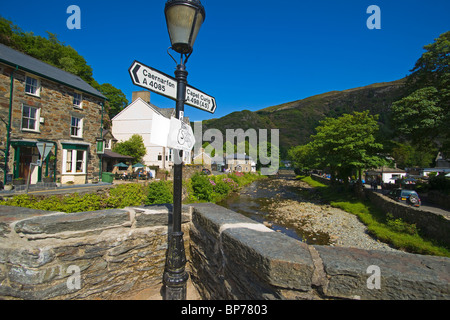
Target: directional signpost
point(44, 149)
point(177, 135)
point(165, 85)
point(184, 18)
point(153, 80)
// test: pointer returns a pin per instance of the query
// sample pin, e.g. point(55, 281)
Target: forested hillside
point(56, 53)
point(297, 120)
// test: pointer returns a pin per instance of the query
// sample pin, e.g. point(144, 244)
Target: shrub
point(400, 226)
point(440, 183)
point(221, 187)
point(159, 192)
point(126, 195)
point(202, 187)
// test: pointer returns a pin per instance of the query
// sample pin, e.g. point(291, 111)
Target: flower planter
point(18, 182)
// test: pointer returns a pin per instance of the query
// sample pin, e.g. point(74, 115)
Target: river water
point(255, 201)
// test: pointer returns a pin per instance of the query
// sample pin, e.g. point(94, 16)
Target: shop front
point(26, 160)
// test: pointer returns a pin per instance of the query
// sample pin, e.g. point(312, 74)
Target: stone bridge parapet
point(118, 253)
point(234, 257)
point(107, 254)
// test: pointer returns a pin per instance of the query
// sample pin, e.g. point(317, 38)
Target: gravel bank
point(343, 229)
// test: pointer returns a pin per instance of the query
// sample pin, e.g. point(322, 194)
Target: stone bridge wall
point(233, 257)
point(430, 224)
point(117, 253)
point(121, 252)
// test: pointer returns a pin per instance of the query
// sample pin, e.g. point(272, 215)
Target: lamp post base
point(175, 277)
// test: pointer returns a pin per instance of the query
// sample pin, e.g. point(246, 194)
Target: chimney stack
point(144, 95)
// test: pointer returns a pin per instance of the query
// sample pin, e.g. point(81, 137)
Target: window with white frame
point(76, 127)
point(30, 118)
point(32, 86)
point(74, 161)
point(107, 143)
point(78, 100)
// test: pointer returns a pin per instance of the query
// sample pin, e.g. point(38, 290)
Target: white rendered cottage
point(137, 119)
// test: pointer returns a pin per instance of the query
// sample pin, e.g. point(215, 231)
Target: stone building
point(240, 163)
point(40, 103)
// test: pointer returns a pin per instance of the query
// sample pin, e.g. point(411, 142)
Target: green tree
point(303, 157)
point(133, 147)
point(49, 50)
point(116, 98)
point(433, 67)
point(419, 115)
point(407, 155)
point(424, 114)
point(348, 143)
point(64, 57)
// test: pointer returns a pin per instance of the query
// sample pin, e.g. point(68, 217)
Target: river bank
point(291, 204)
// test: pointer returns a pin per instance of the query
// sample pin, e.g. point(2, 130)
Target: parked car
point(409, 197)
point(206, 171)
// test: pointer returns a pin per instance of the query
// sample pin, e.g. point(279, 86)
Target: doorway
point(28, 155)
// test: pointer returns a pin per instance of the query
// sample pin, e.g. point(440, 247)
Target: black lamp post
point(184, 19)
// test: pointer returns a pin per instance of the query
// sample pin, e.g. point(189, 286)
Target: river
point(292, 207)
point(258, 200)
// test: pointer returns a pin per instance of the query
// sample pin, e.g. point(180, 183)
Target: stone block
point(248, 259)
point(277, 259)
point(403, 276)
point(26, 256)
point(158, 215)
point(63, 222)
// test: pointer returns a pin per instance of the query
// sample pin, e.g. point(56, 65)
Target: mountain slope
point(298, 119)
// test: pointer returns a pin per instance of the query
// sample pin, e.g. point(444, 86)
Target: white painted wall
point(137, 119)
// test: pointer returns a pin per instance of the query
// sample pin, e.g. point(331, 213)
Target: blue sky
point(249, 54)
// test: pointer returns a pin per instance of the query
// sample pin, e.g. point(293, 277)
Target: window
point(30, 118)
point(159, 157)
point(78, 100)
point(32, 86)
point(107, 143)
point(76, 127)
point(74, 161)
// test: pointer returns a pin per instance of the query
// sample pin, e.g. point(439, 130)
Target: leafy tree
point(51, 50)
point(409, 155)
point(303, 157)
point(419, 115)
point(56, 53)
point(347, 143)
point(424, 115)
point(133, 147)
point(433, 67)
point(116, 98)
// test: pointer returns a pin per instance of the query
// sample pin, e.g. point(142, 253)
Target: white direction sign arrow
point(163, 84)
point(200, 100)
point(44, 149)
point(153, 80)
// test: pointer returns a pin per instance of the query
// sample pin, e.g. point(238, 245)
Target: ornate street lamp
point(184, 19)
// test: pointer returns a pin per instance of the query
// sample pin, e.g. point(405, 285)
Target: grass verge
point(381, 225)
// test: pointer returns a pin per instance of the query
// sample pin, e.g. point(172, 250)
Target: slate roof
point(29, 64)
point(165, 112)
point(239, 156)
point(111, 154)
